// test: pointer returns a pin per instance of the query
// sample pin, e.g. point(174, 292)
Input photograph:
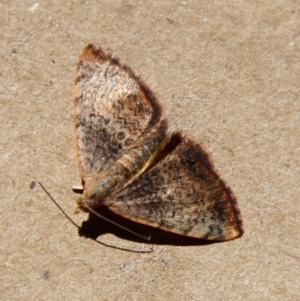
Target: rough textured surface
point(120, 131)
point(226, 72)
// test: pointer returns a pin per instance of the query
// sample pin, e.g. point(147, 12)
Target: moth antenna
point(94, 212)
point(106, 245)
point(49, 195)
point(116, 224)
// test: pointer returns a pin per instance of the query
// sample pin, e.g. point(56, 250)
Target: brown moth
point(130, 164)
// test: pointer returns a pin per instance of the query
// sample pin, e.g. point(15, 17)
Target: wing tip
point(92, 54)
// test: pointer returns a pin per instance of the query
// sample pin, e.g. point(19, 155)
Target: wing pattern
point(183, 194)
point(113, 110)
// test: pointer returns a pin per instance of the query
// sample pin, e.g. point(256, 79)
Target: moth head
point(83, 204)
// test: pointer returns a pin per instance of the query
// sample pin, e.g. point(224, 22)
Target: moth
point(129, 163)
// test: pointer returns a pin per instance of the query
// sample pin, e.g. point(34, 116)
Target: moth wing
point(114, 110)
point(182, 194)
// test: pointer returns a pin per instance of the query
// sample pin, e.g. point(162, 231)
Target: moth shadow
point(95, 227)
